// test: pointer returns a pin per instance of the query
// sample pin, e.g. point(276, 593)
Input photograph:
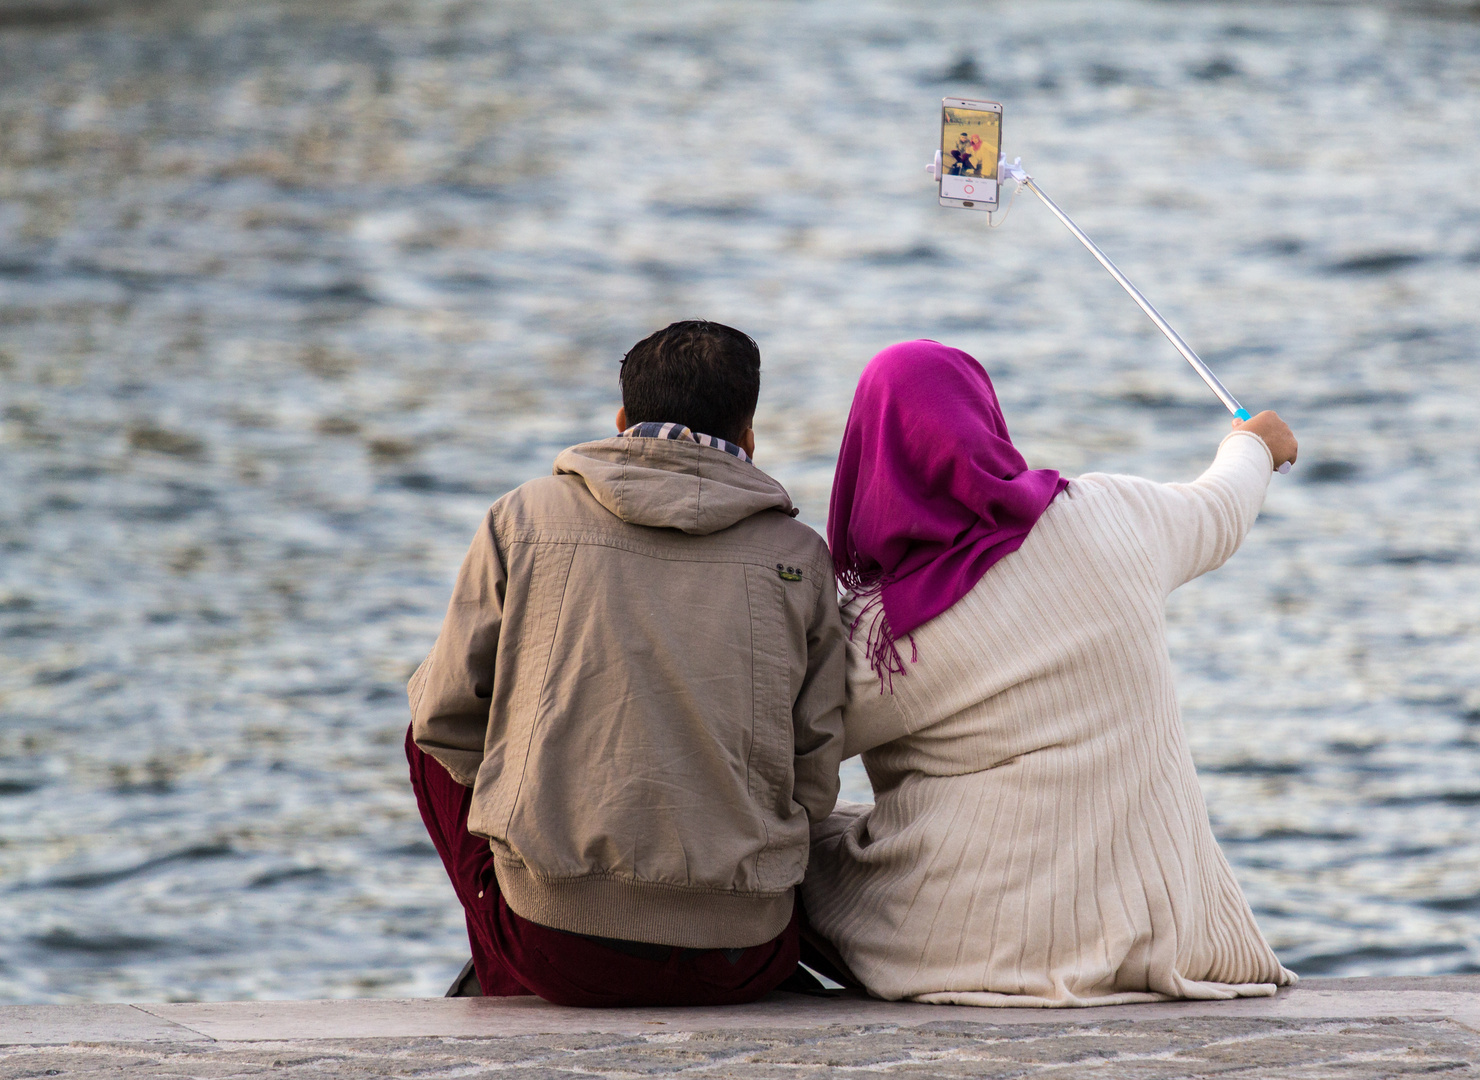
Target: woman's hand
point(1275, 433)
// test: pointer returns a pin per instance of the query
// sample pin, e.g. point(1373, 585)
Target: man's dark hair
point(704, 375)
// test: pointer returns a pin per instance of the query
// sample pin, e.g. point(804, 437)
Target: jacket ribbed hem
point(630, 910)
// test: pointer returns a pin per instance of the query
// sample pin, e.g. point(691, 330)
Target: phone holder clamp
point(1012, 170)
point(1007, 170)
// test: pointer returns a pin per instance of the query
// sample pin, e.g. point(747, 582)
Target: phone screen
point(970, 143)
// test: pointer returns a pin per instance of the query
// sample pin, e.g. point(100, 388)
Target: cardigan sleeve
point(1193, 528)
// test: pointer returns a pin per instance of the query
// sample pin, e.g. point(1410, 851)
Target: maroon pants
point(515, 956)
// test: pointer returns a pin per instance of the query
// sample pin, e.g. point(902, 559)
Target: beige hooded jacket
point(641, 676)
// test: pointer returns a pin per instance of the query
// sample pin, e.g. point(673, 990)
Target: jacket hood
point(672, 484)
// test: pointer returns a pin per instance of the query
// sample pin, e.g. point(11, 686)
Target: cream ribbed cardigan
point(1038, 835)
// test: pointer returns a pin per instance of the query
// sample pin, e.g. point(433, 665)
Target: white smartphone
point(970, 144)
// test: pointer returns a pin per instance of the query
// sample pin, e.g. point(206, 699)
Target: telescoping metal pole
point(1014, 171)
point(1145, 305)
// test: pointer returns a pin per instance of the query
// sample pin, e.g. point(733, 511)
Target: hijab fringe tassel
point(882, 650)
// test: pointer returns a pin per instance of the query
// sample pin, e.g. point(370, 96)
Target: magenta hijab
point(929, 492)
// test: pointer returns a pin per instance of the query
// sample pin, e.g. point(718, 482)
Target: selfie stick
point(1014, 170)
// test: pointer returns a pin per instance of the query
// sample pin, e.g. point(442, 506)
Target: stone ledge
point(1455, 998)
point(1353, 1028)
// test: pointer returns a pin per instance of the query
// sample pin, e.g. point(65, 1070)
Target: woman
point(1038, 837)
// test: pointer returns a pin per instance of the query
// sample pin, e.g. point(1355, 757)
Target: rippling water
point(290, 291)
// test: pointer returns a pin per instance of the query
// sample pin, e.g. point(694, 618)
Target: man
point(633, 710)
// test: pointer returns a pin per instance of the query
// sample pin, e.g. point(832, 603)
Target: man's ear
point(747, 442)
point(622, 424)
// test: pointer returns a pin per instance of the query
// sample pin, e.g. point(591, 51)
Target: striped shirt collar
point(656, 430)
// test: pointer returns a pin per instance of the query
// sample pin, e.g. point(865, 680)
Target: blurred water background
point(291, 290)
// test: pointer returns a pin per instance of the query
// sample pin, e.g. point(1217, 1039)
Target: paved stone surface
point(1122, 1049)
point(1353, 1029)
point(229, 1021)
point(34, 1024)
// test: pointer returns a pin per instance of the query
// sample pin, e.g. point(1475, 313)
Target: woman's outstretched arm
point(1194, 528)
